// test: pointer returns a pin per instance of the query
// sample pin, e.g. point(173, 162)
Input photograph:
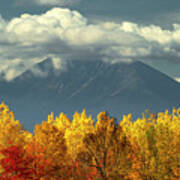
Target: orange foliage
point(60, 149)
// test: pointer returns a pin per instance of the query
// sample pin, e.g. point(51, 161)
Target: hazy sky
point(114, 30)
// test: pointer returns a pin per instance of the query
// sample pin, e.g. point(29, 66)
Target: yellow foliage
point(74, 135)
point(148, 148)
point(11, 131)
point(62, 122)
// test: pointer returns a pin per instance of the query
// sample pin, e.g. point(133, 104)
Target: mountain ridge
point(95, 85)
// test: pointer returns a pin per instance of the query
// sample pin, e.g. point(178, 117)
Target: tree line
point(85, 149)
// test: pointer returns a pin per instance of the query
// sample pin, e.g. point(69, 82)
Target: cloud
point(11, 69)
point(177, 79)
point(66, 34)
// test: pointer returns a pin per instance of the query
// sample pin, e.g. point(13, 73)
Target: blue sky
point(113, 30)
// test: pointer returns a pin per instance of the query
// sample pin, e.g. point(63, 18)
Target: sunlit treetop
point(12, 132)
point(62, 122)
point(105, 122)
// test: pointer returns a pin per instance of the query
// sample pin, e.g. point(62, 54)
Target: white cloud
point(177, 79)
point(56, 62)
point(12, 68)
point(29, 29)
point(62, 33)
point(11, 74)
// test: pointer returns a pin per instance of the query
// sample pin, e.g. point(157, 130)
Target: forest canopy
point(88, 149)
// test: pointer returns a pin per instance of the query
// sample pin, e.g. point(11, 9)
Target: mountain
point(119, 88)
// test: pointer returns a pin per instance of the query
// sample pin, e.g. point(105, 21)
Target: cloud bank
point(65, 34)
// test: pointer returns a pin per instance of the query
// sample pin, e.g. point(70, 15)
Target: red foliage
point(42, 165)
point(16, 164)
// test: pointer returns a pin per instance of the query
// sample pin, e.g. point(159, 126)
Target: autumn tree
point(107, 149)
point(11, 131)
point(157, 155)
point(49, 149)
point(16, 164)
point(146, 149)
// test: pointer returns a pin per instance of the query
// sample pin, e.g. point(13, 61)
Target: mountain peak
point(94, 85)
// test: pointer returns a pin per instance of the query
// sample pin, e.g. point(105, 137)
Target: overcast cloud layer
point(64, 34)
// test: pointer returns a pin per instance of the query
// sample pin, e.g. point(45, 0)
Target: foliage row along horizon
point(60, 149)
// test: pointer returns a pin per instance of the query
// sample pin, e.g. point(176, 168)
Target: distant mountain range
point(119, 88)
